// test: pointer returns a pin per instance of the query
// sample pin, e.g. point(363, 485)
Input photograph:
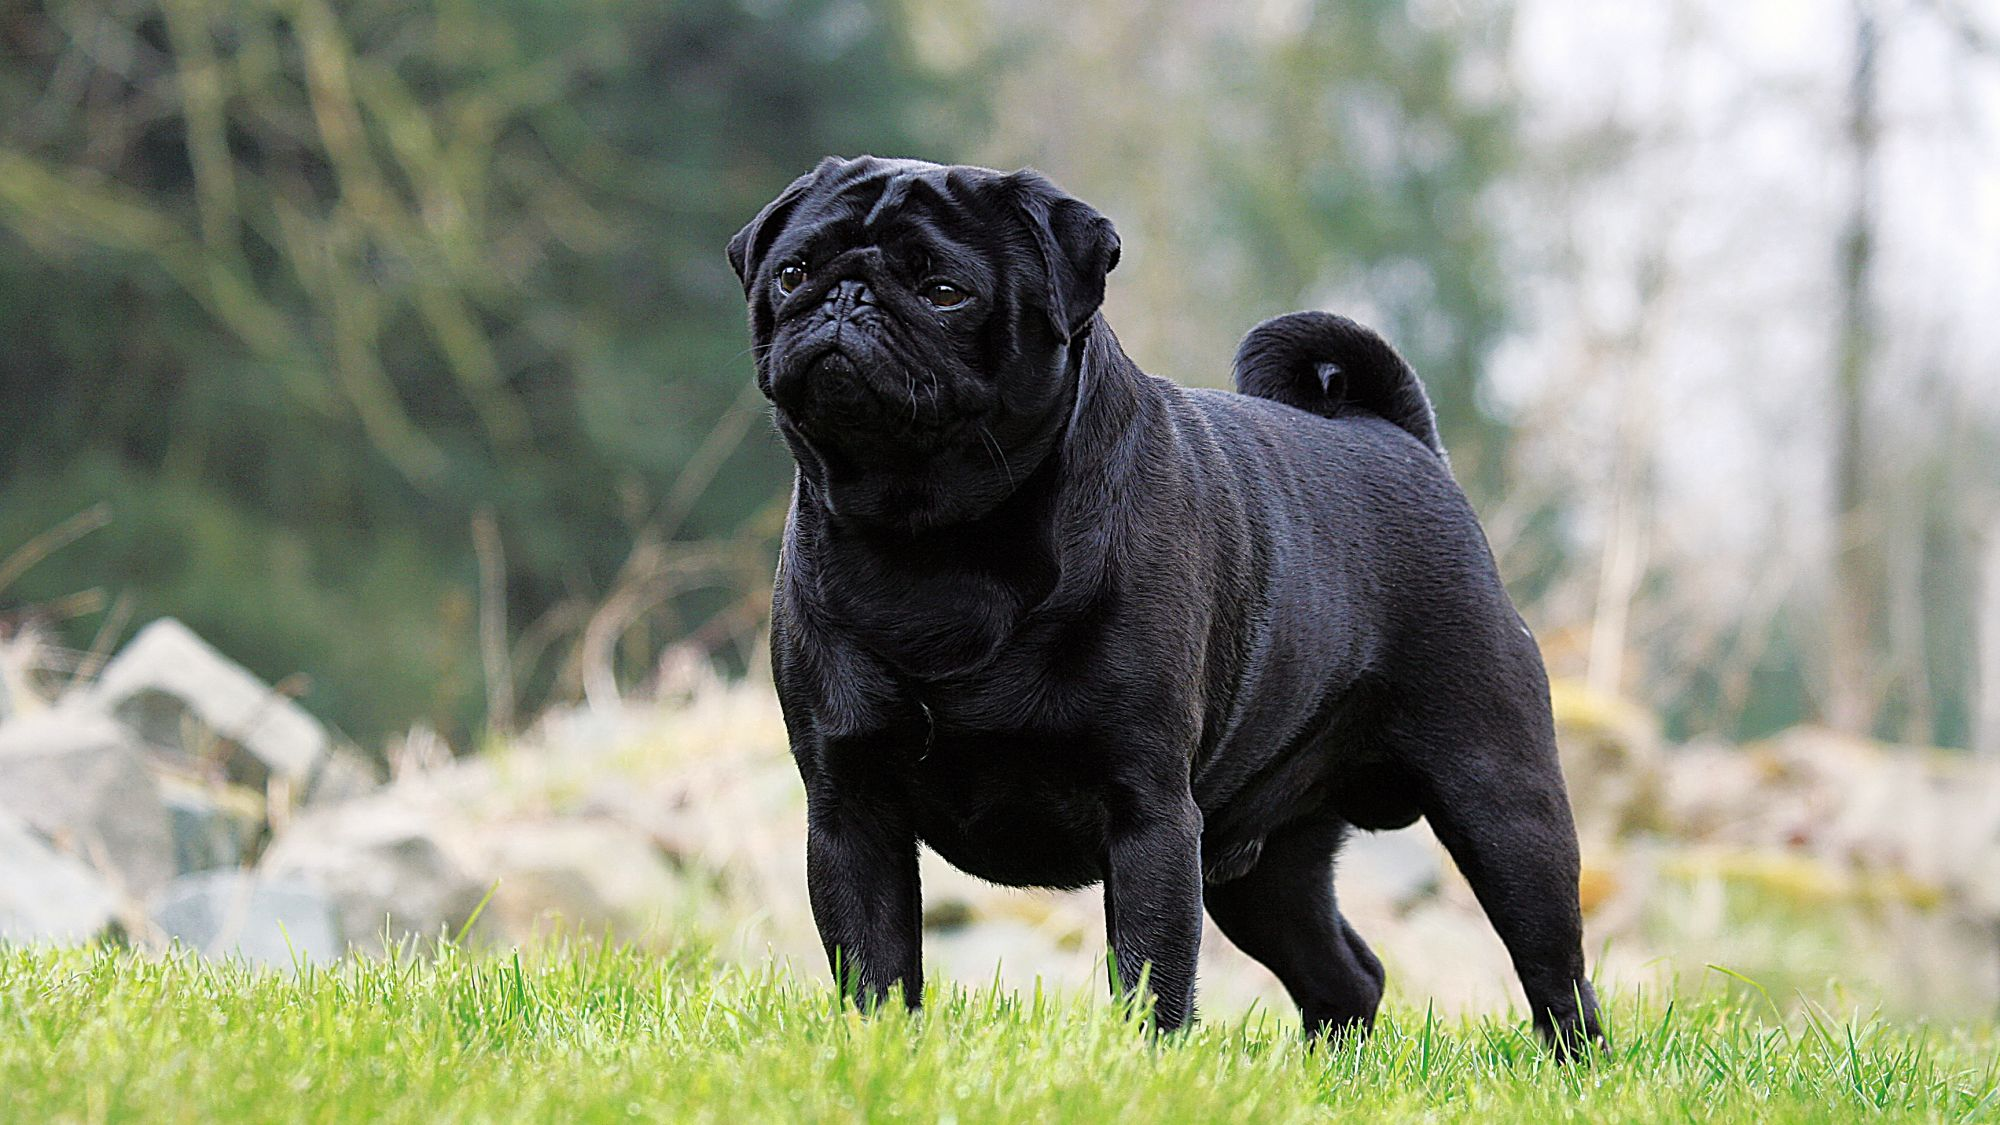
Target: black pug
point(1067, 622)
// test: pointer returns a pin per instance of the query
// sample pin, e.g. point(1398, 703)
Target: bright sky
point(1737, 186)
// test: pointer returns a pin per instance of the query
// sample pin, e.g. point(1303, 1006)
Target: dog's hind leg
point(1282, 912)
point(1492, 790)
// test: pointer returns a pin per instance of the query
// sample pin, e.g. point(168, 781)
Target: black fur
point(1330, 366)
point(1068, 623)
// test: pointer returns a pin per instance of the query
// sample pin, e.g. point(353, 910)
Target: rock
point(20, 654)
point(948, 914)
point(342, 776)
point(421, 750)
point(1978, 886)
point(588, 875)
point(1717, 792)
point(385, 864)
point(46, 895)
point(168, 675)
point(214, 824)
point(1596, 885)
point(1611, 760)
point(81, 780)
point(234, 913)
point(1404, 867)
point(1003, 948)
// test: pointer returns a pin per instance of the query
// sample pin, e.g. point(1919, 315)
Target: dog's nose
point(849, 293)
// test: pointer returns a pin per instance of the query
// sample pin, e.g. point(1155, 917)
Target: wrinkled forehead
point(904, 206)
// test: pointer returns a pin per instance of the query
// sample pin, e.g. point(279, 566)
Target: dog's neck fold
point(1042, 547)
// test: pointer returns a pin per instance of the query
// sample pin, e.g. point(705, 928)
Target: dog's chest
point(929, 611)
point(929, 630)
point(1012, 807)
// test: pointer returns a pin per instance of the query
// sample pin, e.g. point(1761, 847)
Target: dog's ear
point(747, 249)
point(1078, 247)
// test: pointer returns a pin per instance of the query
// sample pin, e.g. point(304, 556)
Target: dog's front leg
point(1152, 903)
point(861, 871)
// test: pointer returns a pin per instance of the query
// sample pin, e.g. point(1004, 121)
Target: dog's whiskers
point(994, 450)
point(937, 410)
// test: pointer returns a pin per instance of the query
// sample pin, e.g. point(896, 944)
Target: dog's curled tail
point(1331, 366)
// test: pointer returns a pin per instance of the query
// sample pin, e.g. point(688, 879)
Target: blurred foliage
point(307, 290)
point(1286, 156)
point(302, 287)
point(397, 341)
point(1376, 125)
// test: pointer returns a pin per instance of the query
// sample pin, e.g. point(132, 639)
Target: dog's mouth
point(830, 363)
point(835, 391)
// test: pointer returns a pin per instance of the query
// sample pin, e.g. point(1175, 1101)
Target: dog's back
point(1362, 544)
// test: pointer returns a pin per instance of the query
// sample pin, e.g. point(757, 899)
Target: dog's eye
point(945, 295)
point(790, 278)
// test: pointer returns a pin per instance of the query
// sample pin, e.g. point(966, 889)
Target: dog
point(1068, 623)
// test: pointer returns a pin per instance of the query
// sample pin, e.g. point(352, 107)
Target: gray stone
point(237, 914)
point(214, 824)
point(46, 895)
point(1008, 949)
point(1611, 751)
point(341, 776)
point(1404, 866)
point(386, 867)
point(19, 655)
point(168, 675)
point(81, 780)
point(585, 875)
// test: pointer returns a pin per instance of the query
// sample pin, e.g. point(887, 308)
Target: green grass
point(591, 1033)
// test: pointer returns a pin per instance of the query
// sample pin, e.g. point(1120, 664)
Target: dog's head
point(917, 320)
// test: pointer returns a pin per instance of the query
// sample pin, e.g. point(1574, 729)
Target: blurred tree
point(301, 287)
point(1805, 360)
point(1283, 156)
point(1358, 179)
point(1855, 633)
